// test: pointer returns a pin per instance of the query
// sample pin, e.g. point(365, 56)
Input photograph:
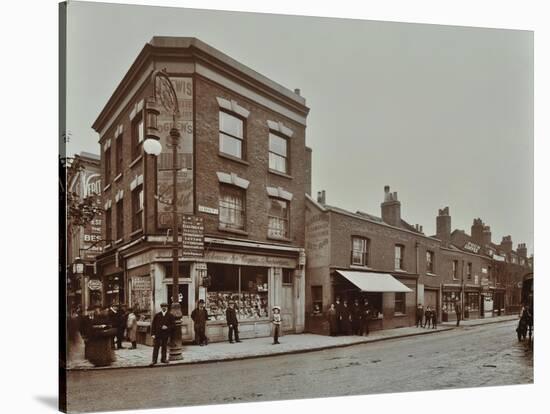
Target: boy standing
point(276, 324)
point(232, 322)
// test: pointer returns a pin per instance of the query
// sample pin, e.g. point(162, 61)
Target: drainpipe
point(416, 244)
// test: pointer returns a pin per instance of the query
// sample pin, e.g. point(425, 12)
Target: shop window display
point(448, 301)
point(246, 285)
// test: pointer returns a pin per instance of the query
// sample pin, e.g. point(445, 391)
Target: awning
point(374, 282)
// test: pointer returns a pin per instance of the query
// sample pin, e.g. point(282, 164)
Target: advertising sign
point(184, 92)
point(193, 236)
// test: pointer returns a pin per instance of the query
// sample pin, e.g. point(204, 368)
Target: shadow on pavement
point(48, 401)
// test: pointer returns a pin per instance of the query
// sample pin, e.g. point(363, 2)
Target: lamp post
point(163, 90)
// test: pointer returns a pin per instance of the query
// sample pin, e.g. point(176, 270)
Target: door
point(287, 308)
point(430, 299)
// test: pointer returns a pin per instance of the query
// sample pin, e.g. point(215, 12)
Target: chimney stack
point(443, 225)
point(506, 244)
point(297, 91)
point(522, 250)
point(391, 208)
point(486, 236)
point(321, 197)
point(477, 231)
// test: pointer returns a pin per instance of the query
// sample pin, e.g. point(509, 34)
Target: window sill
point(137, 160)
point(400, 270)
point(106, 187)
point(283, 239)
point(118, 177)
point(235, 231)
point(281, 174)
point(431, 274)
point(352, 266)
point(232, 158)
point(118, 241)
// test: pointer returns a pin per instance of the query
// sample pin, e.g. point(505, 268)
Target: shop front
point(471, 303)
point(450, 295)
point(255, 282)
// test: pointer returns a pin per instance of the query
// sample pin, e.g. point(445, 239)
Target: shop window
point(137, 207)
point(119, 219)
point(114, 290)
point(471, 301)
point(359, 251)
point(108, 225)
point(107, 165)
point(317, 298)
point(455, 269)
point(469, 271)
point(231, 135)
point(400, 305)
point(118, 155)
point(232, 211)
point(278, 218)
point(448, 300)
point(399, 252)
point(247, 286)
point(287, 276)
point(138, 134)
point(430, 261)
point(183, 297)
point(278, 153)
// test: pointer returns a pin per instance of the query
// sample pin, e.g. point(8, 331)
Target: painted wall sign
point(250, 260)
point(193, 236)
point(472, 247)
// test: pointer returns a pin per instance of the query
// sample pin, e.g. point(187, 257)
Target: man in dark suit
point(200, 316)
point(420, 316)
point(338, 306)
point(232, 322)
point(161, 329)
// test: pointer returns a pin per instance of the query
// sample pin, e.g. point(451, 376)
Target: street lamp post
point(78, 271)
point(167, 96)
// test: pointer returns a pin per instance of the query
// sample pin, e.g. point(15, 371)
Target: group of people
point(345, 319)
point(118, 317)
point(200, 316)
point(426, 318)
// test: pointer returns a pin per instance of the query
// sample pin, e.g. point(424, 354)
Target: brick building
point(243, 168)
point(348, 253)
point(84, 235)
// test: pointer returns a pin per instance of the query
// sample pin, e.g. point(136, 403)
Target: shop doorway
point(287, 308)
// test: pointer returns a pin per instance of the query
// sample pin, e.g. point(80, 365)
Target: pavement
point(262, 347)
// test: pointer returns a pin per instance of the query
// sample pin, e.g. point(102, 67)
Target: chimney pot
point(297, 91)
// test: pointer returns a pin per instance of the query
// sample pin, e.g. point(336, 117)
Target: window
point(429, 261)
point(108, 226)
point(138, 134)
point(232, 208)
point(278, 218)
point(471, 301)
point(469, 271)
point(489, 272)
point(287, 276)
point(399, 302)
point(278, 153)
point(448, 300)
point(118, 155)
point(107, 165)
point(359, 251)
point(399, 250)
point(455, 269)
point(231, 135)
point(317, 298)
point(119, 219)
point(137, 208)
point(247, 286)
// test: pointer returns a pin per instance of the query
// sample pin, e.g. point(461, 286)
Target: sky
point(441, 114)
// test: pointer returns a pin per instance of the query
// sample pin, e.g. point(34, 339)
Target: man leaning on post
point(161, 329)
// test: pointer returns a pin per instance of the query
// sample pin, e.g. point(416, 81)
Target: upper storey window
point(232, 135)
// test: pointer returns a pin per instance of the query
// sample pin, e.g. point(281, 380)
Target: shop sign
point(201, 266)
point(95, 284)
point(193, 236)
point(249, 260)
point(208, 210)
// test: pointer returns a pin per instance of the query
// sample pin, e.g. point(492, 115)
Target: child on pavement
point(276, 324)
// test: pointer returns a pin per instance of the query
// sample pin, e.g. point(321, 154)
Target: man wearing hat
point(161, 329)
point(232, 322)
point(200, 316)
point(276, 324)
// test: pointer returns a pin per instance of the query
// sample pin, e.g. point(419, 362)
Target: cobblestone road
point(467, 357)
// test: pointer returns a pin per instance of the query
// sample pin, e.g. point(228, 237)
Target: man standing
point(338, 306)
point(116, 320)
point(419, 315)
point(161, 329)
point(365, 317)
point(200, 316)
point(458, 312)
point(356, 317)
point(232, 322)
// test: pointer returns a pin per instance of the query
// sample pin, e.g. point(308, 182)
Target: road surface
point(485, 355)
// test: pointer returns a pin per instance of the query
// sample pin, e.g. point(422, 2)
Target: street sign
point(193, 236)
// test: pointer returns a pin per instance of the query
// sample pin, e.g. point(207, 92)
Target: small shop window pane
point(287, 276)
